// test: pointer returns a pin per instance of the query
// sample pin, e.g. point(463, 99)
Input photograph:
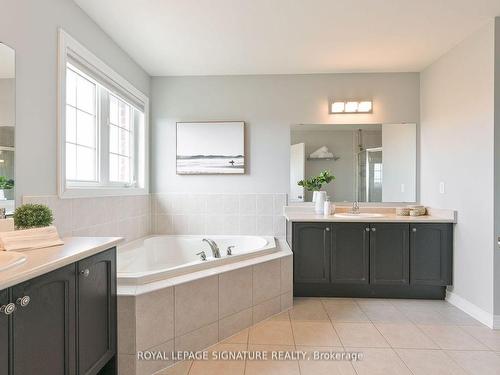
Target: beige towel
point(29, 239)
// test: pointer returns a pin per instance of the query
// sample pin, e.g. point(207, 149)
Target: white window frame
point(65, 190)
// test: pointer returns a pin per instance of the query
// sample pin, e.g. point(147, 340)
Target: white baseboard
point(490, 320)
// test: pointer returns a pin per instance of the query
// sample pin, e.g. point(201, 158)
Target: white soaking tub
point(159, 257)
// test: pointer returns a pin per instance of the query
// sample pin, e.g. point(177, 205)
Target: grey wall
point(497, 168)
point(269, 105)
point(457, 129)
point(340, 143)
point(30, 27)
point(7, 101)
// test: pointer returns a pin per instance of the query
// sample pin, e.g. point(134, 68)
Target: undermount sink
point(10, 259)
point(360, 214)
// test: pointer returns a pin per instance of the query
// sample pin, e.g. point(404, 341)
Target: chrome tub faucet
point(213, 246)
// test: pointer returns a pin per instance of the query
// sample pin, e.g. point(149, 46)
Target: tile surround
point(128, 216)
point(245, 214)
point(197, 314)
point(133, 217)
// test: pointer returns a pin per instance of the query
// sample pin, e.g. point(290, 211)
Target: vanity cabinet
point(4, 334)
point(350, 253)
point(313, 252)
point(64, 321)
point(43, 327)
point(389, 254)
point(355, 259)
point(96, 319)
point(431, 254)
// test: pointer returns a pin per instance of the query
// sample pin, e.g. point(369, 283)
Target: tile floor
point(415, 337)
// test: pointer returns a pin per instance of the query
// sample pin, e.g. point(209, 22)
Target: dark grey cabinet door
point(44, 330)
point(311, 252)
point(96, 311)
point(431, 248)
point(350, 253)
point(4, 334)
point(390, 254)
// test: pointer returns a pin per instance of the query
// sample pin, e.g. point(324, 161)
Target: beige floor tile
point(239, 338)
point(453, 315)
point(180, 368)
point(281, 317)
point(363, 335)
point(315, 334)
point(312, 366)
point(429, 362)
point(344, 311)
point(405, 336)
point(477, 362)
point(379, 362)
point(451, 337)
point(218, 362)
point(487, 336)
point(308, 309)
point(271, 366)
point(384, 313)
point(271, 332)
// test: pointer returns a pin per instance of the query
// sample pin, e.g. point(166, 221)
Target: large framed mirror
point(371, 163)
point(7, 127)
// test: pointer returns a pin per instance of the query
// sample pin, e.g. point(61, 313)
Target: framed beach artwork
point(211, 147)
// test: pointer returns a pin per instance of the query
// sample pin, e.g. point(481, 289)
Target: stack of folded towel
point(29, 239)
point(321, 152)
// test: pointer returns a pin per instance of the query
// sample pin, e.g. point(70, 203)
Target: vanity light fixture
point(338, 107)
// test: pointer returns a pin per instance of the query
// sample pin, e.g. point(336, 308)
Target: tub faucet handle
point(229, 250)
point(202, 255)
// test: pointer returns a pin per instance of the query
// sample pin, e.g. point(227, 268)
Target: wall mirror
point(7, 127)
point(371, 163)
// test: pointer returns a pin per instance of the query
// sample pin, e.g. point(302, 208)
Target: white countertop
point(306, 214)
point(42, 261)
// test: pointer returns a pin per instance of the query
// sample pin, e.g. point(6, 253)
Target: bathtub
point(159, 257)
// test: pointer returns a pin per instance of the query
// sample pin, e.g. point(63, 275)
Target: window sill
point(85, 192)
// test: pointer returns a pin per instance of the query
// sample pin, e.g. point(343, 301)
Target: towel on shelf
point(29, 239)
point(321, 152)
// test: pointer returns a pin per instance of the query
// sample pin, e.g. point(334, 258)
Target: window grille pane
point(85, 129)
point(85, 95)
point(71, 87)
point(124, 143)
point(85, 164)
point(113, 139)
point(70, 124)
point(70, 161)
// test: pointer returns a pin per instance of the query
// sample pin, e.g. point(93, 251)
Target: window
point(102, 127)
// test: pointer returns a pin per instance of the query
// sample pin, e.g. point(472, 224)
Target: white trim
point(488, 319)
point(67, 42)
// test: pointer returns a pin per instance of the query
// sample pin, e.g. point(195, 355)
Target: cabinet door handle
point(367, 229)
point(414, 229)
point(85, 272)
point(23, 301)
point(327, 229)
point(374, 229)
point(8, 309)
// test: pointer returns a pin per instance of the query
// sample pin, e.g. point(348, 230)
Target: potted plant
point(32, 215)
point(5, 184)
point(315, 184)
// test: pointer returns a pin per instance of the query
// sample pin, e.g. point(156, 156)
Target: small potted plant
point(31, 215)
point(315, 184)
point(5, 184)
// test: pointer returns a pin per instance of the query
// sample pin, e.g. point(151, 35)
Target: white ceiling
point(7, 62)
point(212, 37)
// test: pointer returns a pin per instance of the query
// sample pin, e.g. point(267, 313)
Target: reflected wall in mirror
point(7, 127)
point(371, 163)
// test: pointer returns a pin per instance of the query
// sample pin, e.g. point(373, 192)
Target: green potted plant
point(315, 184)
point(32, 215)
point(5, 184)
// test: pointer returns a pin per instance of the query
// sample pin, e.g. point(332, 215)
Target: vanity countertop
point(42, 261)
point(306, 214)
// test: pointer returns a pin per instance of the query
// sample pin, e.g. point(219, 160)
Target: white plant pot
point(319, 203)
point(315, 195)
point(2, 195)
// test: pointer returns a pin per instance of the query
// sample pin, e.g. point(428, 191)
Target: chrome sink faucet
point(213, 246)
point(355, 207)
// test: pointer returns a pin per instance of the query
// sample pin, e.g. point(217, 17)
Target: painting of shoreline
point(210, 148)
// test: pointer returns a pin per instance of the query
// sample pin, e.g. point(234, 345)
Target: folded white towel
point(29, 239)
point(321, 152)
